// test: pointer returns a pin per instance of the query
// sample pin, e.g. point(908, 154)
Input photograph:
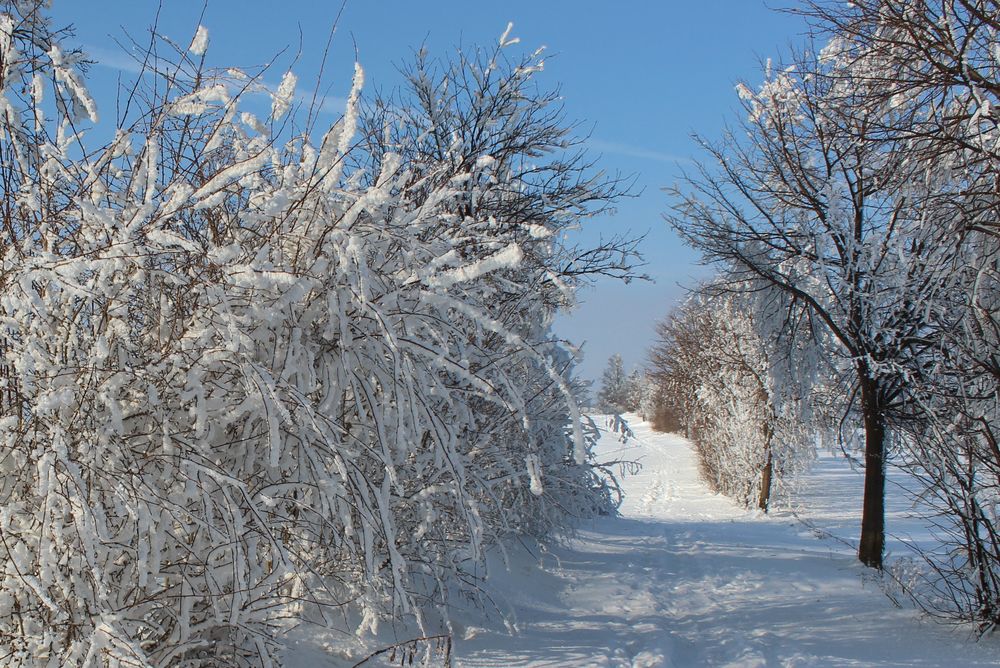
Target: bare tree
point(806, 208)
point(862, 205)
point(932, 68)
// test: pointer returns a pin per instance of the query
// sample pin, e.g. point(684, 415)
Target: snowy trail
point(686, 578)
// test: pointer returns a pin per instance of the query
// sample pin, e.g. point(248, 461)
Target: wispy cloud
point(639, 152)
point(326, 104)
point(114, 59)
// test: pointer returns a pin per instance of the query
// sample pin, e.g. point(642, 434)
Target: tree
point(636, 389)
point(614, 394)
point(710, 359)
point(249, 375)
point(861, 209)
point(933, 68)
point(809, 210)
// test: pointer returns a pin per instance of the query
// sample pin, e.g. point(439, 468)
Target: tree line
point(852, 214)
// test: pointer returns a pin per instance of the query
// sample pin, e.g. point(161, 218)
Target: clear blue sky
point(643, 75)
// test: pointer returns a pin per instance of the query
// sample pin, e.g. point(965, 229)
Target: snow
point(506, 258)
point(282, 100)
point(200, 42)
point(685, 577)
point(506, 40)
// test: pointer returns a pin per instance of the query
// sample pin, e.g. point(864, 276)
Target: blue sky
point(640, 75)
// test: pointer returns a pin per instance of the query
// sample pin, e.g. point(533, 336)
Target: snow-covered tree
point(806, 208)
point(614, 394)
point(934, 69)
point(636, 388)
point(251, 374)
point(859, 206)
point(646, 396)
point(712, 366)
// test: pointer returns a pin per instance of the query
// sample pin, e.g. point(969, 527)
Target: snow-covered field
point(686, 578)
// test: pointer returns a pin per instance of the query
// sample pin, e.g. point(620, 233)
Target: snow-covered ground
point(686, 578)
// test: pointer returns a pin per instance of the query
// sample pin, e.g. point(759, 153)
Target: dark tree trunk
point(765, 482)
point(872, 543)
point(767, 473)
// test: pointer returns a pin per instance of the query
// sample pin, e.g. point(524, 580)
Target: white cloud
point(631, 151)
point(115, 59)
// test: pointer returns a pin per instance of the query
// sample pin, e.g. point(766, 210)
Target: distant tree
point(613, 396)
point(713, 367)
point(635, 386)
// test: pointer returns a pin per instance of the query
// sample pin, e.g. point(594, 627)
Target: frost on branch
point(245, 379)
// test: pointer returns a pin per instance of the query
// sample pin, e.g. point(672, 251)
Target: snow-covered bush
point(713, 367)
point(477, 125)
point(247, 375)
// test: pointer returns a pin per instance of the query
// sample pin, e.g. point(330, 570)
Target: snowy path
point(685, 578)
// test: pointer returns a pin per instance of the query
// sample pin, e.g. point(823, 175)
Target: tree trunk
point(873, 511)
point(765, 482)
point(768, 472)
